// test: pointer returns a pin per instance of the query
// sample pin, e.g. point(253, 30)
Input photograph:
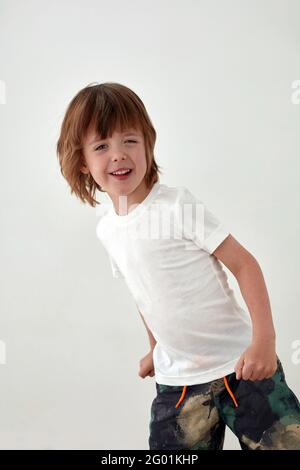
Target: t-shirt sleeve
point(114, 267)
point(197, 223)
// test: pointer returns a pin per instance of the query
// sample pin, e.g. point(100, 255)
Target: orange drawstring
point(182, 396)
point(226, 385)
point(230, 392)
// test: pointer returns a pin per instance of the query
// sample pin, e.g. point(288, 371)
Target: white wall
point(216, 78)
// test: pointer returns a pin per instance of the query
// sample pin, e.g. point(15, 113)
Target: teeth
point(121, 172)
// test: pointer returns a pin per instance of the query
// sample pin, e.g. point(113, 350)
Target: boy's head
point(106, 127)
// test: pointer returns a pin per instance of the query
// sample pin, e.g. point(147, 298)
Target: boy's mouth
point(122, 175)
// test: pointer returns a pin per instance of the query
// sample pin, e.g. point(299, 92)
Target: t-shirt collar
point(121, 219)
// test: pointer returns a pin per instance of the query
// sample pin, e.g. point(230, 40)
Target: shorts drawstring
point(229, 391)
point(226, 385)
point(182, 396)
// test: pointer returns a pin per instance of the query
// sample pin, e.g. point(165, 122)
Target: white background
point(216, 78)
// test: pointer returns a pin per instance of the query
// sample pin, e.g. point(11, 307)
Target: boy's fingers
point(238, 368)
point(247, 371)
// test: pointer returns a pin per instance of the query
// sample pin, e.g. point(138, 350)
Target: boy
point(213, 365)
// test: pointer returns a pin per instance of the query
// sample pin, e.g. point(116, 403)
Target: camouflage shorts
point(263, 414)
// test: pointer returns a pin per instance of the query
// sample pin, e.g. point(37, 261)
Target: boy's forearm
point(254, 291)
point(152, 340)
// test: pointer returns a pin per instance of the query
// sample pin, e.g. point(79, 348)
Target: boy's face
point(123, 150)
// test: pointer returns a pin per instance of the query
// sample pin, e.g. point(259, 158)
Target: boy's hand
point(258, 361)
point(146, 366)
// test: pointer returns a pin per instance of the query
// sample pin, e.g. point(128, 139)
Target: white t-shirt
point(162, 249)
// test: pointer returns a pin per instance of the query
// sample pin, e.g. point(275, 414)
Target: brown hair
point(105, 107)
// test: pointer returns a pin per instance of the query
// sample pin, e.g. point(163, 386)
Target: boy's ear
point(84, 169)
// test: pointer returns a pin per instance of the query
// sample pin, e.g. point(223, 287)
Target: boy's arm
point(250, 278)
point(259, 360)
point(151, 337)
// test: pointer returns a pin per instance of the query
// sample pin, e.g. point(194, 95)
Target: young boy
point(214, 364)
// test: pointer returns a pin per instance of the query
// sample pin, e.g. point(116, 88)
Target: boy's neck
point(123, 204)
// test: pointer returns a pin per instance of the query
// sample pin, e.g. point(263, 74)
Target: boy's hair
point(104, 107)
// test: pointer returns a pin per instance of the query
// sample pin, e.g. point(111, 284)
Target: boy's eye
point(97, 148)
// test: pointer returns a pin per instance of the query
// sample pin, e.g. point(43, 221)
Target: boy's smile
point(121, 173)
point(122, 151)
